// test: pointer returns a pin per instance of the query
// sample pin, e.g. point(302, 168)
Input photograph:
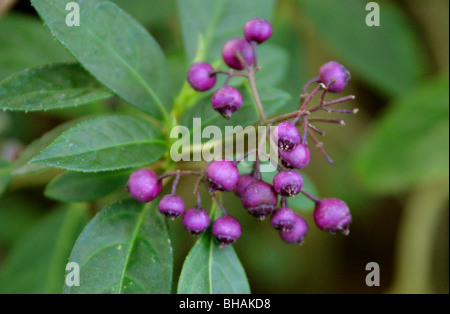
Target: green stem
point(416, 238)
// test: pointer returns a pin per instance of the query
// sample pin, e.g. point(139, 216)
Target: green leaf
point(207, 25)
point(370, 53)
point(21, 166)
point(409, 145)
point(125, 249)
point(117, 50)
point(273, 99)
point(105, 144)
point(83, 187)
point(25, 43)
point(51, 86)
point(298, 202)
point(145, 11)
point(211, 270)
point(273, 61)
point(38, 259)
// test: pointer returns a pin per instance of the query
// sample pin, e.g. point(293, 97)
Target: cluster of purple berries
point(238, 54)
point(259, 198)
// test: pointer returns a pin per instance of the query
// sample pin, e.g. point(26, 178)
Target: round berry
point(259, 199)
point(283, 219)
point(172, 206)
point(334, 71)
point(222, 175)
point(144, 185)
point(297, 233)
point(227, 100)
point(226, 230)
point(297, 158)
point(288, 183)
point(258, 30)
point(200, 78)
point(332, 215)
point(287, 135)
point(244, 181)
point(196, 220)
point(232, 48)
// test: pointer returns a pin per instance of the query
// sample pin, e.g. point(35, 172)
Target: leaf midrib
point(66, 90)
point(140, 80)
point(132, 245)
point(156, 141)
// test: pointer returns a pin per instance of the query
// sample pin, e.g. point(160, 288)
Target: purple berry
point(226, 230)
point(196, 220)
point(287, 135)
point(288, 183)
point(258, 30)
point(334, 70)
point(172, 206)
point(222, 175)
point(297, 233)
point(244, 181)
point(259, 199)
point(232, 48)
point(200, 78)
point(333, 215)
point(297, 158)
point(144, 185)
point(283, 219)
point(227, 100)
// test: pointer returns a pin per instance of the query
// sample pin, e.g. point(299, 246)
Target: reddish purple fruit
point(234, 47)
point(222, 175)
point(196, 220)
point(297, 233)
point(200, 76)
point(288, 183)
point(287, 135)
point(144, 185)
point(297, 158)
point(259, 199)
point(333, 215)
point(258, 30)
point(227, 100)
point(283, 219)
point(172, 206)
point(226, 230)
point(244, 181)
point(334, 71)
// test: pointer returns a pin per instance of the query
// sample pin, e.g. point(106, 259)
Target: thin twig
point(319, 145)
point(311, 197)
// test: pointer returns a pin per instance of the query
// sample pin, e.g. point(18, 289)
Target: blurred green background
point(391, 159)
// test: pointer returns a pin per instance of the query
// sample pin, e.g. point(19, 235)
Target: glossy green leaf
point(146, 12)
point(273, 99)
point(207, 25)
point(105, 144)
point(208, 269)
point(125, 249)
point(83, 187)
point(21, 166)
point(370, 53)
point(25, 43)
point(117, 50)
point(51, 86)
point(38, 259)
point(410, 143)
